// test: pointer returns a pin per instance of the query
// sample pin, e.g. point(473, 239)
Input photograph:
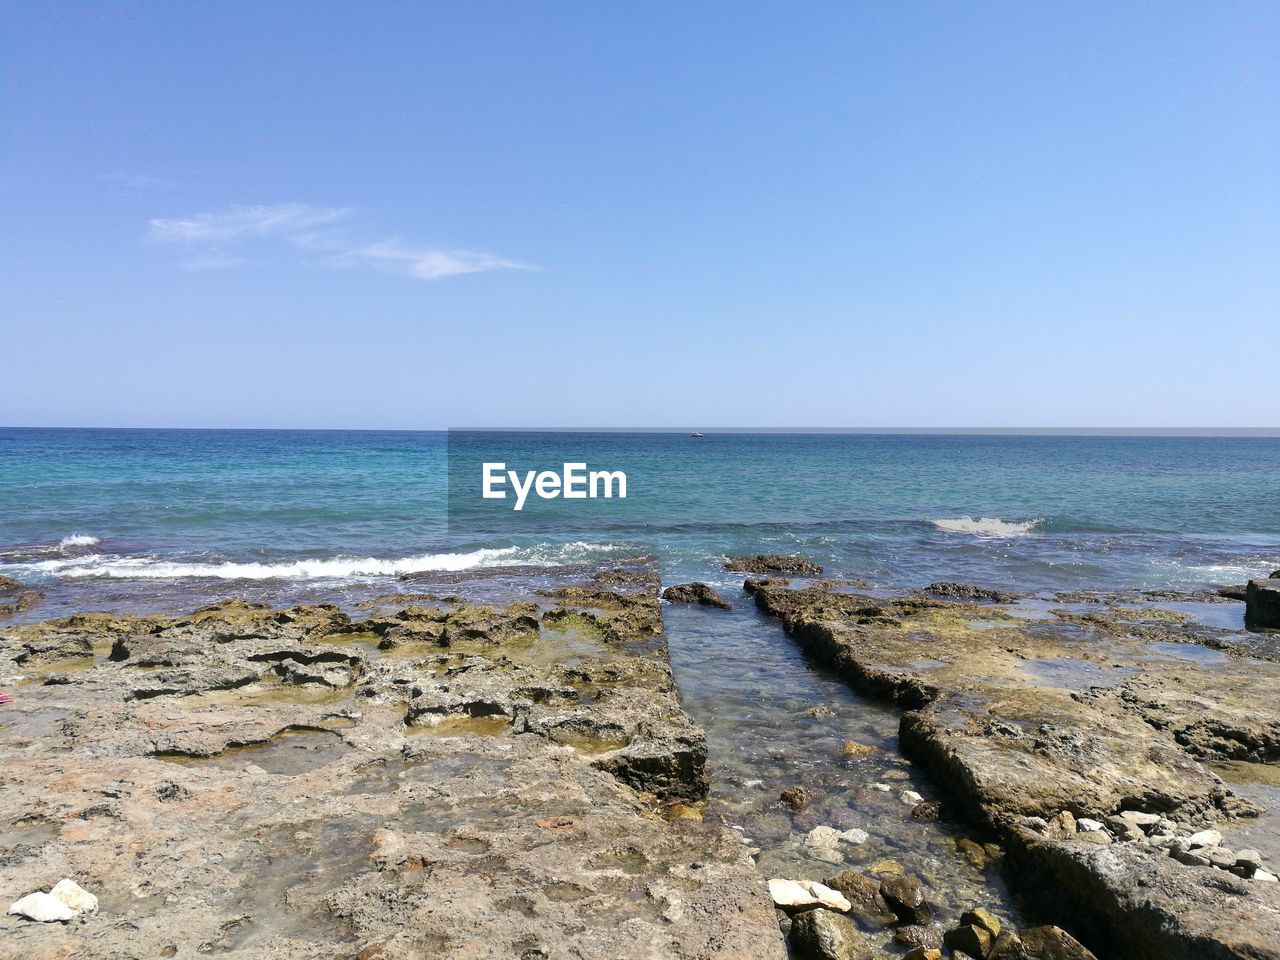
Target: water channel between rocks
point(774, 719)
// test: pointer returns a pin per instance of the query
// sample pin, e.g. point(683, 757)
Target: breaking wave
point(988, 526)
point(78, 540)
point(327, 568)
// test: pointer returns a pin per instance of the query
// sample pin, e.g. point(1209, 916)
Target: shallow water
point(750, 687)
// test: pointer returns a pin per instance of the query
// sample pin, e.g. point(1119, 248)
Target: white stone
point(1141, 819)
point(806, 893)
point(854, 835)
point(74, 896)
point(911, 797)
point(42, 907)
point(788, 893)
point(826, 896)
point(1085, 825)
point(882, 787)
point(1265, 876)
point(1205, 838)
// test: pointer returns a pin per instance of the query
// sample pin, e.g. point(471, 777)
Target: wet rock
point(967, 591)
point(42, 907)
point(866, 905)
point(929, 810)
point(970, 940)
point(852, 750)
point(824, 843)
point(1262, 604)
point(973, 852)
point(796, 798)
point(1237, 591)
point(16, 597)
point(980, 917)
point(919, 937)
point(825, 935)
point(1053, 943)
point(699, 593)
point(923, 953)
point(774, 563)
point(905, 897)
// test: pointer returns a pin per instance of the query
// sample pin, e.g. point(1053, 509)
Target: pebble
point(911, 797)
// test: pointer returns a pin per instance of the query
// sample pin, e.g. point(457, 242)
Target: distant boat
point(696, 434)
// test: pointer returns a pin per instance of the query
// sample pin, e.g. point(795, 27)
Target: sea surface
point(149, 516)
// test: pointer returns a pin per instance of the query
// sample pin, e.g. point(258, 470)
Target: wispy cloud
point(236, 223)
point(217, 240)
point(433, 264)
point(132, 183)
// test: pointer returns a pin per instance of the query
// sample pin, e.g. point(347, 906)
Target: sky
point(421, 215)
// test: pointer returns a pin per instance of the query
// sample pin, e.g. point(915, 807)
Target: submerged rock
point(699, 593)
point(967, 591)
point(866, 904)
point(905, 897)
point(824, 935)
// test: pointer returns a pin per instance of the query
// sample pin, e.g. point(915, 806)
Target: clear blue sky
point(483, 213)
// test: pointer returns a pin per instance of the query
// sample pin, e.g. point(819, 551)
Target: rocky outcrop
point(969, 592)
point(1262, 604)
point(774, 563)
point(1031, 722)
point(698, 593)
point(16, 597)
point(301, 784)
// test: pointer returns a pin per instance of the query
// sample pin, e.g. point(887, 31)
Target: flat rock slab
point(435, 780)
point(1026, 719)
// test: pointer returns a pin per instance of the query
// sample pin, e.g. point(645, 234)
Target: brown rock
point(698, 593)
point(970, 940)
point(868, 907)
point(905, 897)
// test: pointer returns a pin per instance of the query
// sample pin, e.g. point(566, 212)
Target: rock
point(910, 797)
point(905, 897)
point(970, 940)
point(824, 935)
point(699, 593)
point(1248, 862)
point(1265, 876)
point(42, 907)
point(1053, 943)
point(1236, 591)
point(853, 750)
point(1262, 604)
point(924, 953)
point(1092, 836)
point(1061, 826)
point(797, 798)
point(982, 918)
point(1038, 824)
point(1204, 838)
point(1084, 824)
point(74, 896)
point(824, 842)
point(866, 905)
point(806, 893)
point(929, 810)
point(917, 937)
point(774, 563)
point(972, 852)
point(1124, 829)
point(967, 591)
point(820, 712)
point(1189, 858)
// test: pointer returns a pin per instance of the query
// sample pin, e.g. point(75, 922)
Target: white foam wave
point(328, 568)
point(78, 540)
point(987, 526)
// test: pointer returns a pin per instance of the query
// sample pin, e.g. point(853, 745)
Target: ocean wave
point(988, 526)
point(78, 540)
point(326, 568)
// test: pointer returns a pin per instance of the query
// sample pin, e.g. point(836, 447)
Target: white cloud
point(239, 222)
point(207, 240)
point(434, 264)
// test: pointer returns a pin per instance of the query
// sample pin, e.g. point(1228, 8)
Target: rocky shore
point(496, 763)
point(431, 779)
point(1080, 744)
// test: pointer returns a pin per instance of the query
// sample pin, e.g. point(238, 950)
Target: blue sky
point(483, 213)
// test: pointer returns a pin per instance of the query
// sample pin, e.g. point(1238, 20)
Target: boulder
point(42, 907)
point(1262, 604)
point(824, 935)
point(1053, 943)
point(970, 940)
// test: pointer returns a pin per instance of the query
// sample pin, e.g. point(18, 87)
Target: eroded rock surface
point(447, 780)
point(1045, 731)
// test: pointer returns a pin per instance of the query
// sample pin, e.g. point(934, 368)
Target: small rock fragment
point(797, 798)
point(42, 907)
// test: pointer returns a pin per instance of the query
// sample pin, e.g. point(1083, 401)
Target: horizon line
point(1258, 432)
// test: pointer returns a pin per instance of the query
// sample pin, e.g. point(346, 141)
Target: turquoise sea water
point(106, 516)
